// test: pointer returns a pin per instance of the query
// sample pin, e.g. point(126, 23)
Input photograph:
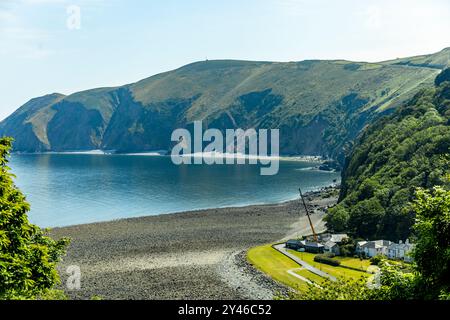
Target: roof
point(330, 244)
point(401, 246)
point(293, 241)
point(383, 243)
point(375, 244)
point(372, 245)
point(313, 245)
point(338, 237)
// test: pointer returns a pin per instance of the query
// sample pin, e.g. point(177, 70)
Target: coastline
point(314, 193)
point(164, 153)
point(187, 255)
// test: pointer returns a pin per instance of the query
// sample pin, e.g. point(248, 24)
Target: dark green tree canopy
point(390, 160)
point(443, 76)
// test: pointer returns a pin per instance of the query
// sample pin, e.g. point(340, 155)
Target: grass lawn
point(354, 263)
point(338, 272)
point(310, 276)
point(276, 265)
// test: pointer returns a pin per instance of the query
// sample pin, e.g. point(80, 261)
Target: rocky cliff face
point(319, 106)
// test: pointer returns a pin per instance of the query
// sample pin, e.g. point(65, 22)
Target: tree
point(28, 257)
point(337, 219)
point(365, 218)
point(432, 250)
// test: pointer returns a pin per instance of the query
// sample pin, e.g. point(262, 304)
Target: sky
point(67, 46)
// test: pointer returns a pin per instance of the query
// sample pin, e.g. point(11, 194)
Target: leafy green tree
point(365, 217)
point(432, 250)
point(338, 218)
point(395, 283)
point(28, 258)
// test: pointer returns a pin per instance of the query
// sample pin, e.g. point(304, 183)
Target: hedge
point(326, 260)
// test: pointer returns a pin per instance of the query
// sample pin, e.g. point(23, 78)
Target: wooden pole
point(309, 217)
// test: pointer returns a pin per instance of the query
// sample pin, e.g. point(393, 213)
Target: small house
point(360, 247)
point(332, 247)
point(400, 251)
point(313, 247)
point(293, 244)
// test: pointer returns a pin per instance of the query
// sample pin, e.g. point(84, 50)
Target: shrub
point(376, 260)
point(321, 258)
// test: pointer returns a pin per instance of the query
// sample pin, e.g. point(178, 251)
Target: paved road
point(283, 250)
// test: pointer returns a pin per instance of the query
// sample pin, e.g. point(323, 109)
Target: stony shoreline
point(190, 255)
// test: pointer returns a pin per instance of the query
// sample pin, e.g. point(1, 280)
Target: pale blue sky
point(123, 41)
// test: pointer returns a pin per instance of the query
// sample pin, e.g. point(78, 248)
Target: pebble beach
point(189, 255)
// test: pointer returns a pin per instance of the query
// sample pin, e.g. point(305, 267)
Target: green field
point(354, 263)
point(310, 276)
point(338, 272)
point(277, 265)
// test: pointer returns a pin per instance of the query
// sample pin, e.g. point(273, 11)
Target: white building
point(400, 251)
point(373, 248)
point(386, 248)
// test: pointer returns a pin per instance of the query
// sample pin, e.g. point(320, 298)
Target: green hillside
point(319, 106)
point(391, 159)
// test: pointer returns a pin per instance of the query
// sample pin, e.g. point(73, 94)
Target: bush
point(322, 258)
point(376, 260)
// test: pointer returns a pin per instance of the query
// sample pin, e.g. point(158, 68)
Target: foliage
point(396, 181)
point(432, 249)
point(443, 76)
point(347, 247)
point(52, 294)
point(28, 258)
point(393, 157)
point(376, 260)
point(427, 278)
point(339, 290)
point(338, 219)
point(395, 283)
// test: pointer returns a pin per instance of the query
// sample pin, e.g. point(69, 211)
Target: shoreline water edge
point(188, 255)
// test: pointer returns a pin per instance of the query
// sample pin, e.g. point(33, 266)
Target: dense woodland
point(389, 161)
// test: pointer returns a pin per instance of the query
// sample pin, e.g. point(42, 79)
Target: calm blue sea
point(69, 189)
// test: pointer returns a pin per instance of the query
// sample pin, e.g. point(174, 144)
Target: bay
point(70, 189)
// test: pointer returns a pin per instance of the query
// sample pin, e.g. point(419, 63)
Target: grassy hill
point(318, 106)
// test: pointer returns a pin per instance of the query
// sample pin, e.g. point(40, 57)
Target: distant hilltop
point(319, 106)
